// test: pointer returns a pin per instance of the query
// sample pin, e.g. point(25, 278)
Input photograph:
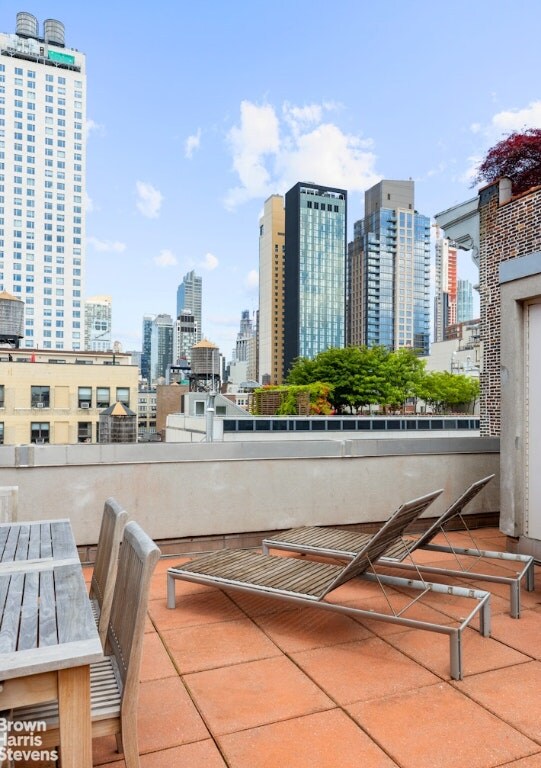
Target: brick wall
point(506, 231)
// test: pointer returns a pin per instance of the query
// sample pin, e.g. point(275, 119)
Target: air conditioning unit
point(85, 405)
point(40, 440)
point(40, 405)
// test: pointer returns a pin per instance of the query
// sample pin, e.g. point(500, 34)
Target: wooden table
point(48, 636)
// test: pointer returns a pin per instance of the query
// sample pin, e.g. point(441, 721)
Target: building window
point(1, 433)
point(40, 397)
point(103, 397)
point(123, 395)
point(84, 397)
point(84, 432)
point(39, 432)
point(2, 393)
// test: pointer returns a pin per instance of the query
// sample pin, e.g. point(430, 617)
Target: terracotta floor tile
point(310, 628)
point(437, 727)
point(479, 654)
point(256, 605)
point(256, 693)
point(304, 742)
point(512, 694)
point(522, 634)
point(202, 754)
point(215, 645)
point(156, 662)
point(418, 611)
point(166, 718)
point(362, 670)
point(201, 608)
point(527, 762)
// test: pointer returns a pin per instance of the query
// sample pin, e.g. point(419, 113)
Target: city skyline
point(182, 156)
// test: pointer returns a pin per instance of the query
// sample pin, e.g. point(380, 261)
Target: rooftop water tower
point(11, 319)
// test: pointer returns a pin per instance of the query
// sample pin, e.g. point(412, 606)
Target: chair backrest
point(137, 560)
point(9, 499)
point(380, 541)
point(454, 510)
point(103, 578)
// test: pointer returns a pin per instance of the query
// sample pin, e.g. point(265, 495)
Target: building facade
point(464, 301)
point(315, 271)
point(42, 155)
point(57, 398)
point(445, 299)
point(98, 321)
point(270, 333)
point(190, 297)
point(146, 347)
point(389, 271)
point(161, 347)
point(184, 336)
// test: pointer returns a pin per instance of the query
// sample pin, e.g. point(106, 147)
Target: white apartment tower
point(42, 181)
point(98, 321)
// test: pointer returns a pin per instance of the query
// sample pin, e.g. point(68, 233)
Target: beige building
point(271, 291)
point(56, 397)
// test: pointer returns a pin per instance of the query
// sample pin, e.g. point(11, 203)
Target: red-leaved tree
point(518, 157)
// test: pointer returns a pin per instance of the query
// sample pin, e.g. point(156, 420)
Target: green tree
point(443, 390)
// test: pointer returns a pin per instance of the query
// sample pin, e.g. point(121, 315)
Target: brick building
point(509, 227)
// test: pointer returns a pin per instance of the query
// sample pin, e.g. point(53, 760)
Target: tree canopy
point(518, 157)
point(362, 376)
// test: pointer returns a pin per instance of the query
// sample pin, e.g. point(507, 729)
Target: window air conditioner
point(40, 440)
point(39, 405)
point(85, 405)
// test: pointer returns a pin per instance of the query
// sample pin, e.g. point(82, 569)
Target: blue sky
point(198, 111)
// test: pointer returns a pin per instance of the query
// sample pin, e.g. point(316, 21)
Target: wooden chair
point(114, 681)
point(103, 578)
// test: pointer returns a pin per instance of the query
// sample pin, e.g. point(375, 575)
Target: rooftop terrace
point(243, 682)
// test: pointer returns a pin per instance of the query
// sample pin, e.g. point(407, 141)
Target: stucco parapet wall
point(161, 453)
point(520, 267)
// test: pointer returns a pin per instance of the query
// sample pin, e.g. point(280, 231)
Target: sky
point(197, 112)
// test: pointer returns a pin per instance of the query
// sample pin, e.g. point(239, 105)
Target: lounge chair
point(335, 542)
point(307, 582)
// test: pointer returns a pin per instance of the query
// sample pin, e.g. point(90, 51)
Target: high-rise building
point(190, 296)
point(271, 291)
point(389, 271)
point(146, 347)
point(161, 346)
point(184, 336)
point(315, 271)
point(98, 317)
point(464, 307)
point(42, 157)
point(445, 299)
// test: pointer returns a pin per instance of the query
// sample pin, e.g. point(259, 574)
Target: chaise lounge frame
point(343, 544)
point(308, 582)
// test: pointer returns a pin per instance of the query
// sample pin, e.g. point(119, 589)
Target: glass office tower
point(389, 271)
point(315, 270)
point(190, 296)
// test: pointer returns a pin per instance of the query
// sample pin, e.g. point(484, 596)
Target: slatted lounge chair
point(335, 542)
point(102, 585)
point(114, 681)
point(307, 582)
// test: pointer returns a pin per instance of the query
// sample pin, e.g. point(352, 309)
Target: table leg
point(74, 717)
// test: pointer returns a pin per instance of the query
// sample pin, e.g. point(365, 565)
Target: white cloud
point(89, 203)
point(209, 263)
point(165, 258)
point(106, 246)
point(149, 199)
point(93, 127)
point(251, 281)
point(192, 143)
point(270, 155)
point(500, 125)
